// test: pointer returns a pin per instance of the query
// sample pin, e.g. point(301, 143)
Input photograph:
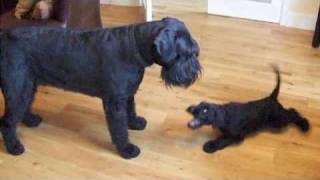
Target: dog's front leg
point(220, 143)
point(135, 122)
point(117, 119)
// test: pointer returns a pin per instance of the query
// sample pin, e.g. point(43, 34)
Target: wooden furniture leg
point(316, 38)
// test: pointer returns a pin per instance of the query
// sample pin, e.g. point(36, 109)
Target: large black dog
point(237, 120)
point(106, 63)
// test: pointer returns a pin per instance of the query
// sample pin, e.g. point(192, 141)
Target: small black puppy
point(237, 120)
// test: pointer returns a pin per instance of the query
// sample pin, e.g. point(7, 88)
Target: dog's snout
point(194, 124)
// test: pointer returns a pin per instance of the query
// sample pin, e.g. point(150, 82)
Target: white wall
point(261, 10)
point(123, 2)
point(300, 13)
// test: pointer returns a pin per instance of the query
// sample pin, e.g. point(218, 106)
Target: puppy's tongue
point(194, 124)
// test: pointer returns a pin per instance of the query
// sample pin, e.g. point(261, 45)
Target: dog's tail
point(276, 90)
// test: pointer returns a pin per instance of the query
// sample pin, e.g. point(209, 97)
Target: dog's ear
point(191, 109)
point(219, 116)
point(165, 44)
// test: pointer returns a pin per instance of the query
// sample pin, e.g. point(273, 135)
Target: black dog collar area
point(135, 50)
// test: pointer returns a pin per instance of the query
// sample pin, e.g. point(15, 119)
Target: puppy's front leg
point(117, 118)
point(135, 122)
point(220, 143)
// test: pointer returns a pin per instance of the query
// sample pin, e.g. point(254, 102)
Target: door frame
point(147, 4)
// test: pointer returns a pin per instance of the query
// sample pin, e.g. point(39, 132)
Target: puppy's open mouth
point(194, 124)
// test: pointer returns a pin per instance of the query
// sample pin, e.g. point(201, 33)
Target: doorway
point(263, 10)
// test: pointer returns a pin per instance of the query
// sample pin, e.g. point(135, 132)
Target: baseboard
point(123, 2)
point(299, 20)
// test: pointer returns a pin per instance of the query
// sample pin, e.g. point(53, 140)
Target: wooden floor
point(73, 142)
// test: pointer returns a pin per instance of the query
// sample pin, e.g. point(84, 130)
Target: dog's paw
point(138, 124)
point(304, 125)
point(15, 148)
point(130, 151)
point(32, 120)
point(210, 147)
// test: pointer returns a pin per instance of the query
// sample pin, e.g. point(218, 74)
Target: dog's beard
point(182, 73)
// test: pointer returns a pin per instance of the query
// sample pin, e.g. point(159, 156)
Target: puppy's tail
point(276, 90)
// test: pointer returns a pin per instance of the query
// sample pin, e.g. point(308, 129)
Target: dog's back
point(65, 58)
point(57, 57)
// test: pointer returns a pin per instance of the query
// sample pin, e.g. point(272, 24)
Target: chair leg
point(316, 38)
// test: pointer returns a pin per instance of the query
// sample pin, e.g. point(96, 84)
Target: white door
point(264, 10)
point(148, 9)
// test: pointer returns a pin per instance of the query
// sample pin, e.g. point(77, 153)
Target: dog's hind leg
point(135, 122)
point(117, 119)
point(18, 93)
point(30, 119)
point(220, 143)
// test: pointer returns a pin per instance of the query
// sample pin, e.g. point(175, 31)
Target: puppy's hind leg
point(295, 117)
point(220, 143)
point(117, 118)
point(17, 91)
point(135, 122)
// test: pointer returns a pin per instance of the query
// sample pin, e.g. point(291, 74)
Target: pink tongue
point(193, 123)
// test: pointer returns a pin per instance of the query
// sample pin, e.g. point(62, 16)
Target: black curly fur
point(105, 63)
point(237, 120)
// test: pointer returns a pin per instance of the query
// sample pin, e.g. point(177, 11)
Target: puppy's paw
point(32, 120)
point(304, 125)
point(210, 147)
point(139, 123)
point(15, 148)
point(130, 151)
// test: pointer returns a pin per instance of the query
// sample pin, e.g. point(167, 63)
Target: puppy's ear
point(219, 117)
point(165, 44)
